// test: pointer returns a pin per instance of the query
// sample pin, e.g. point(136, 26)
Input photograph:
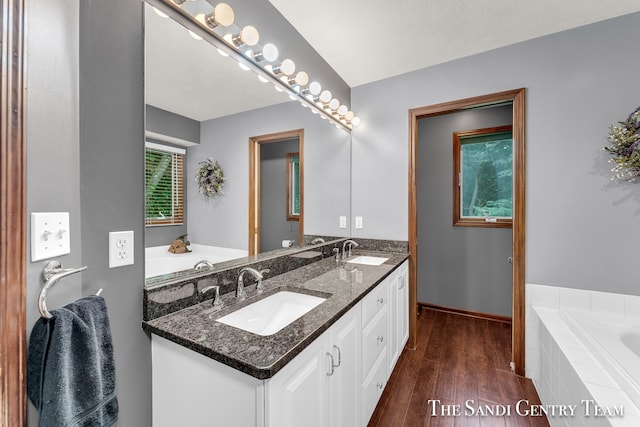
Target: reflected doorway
point(276, 191)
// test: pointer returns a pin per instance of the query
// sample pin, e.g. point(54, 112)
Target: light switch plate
point(49, 235)
point(343, 222)
point(358, 222)
point(120, 248)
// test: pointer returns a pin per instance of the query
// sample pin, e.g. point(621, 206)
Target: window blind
point(164, 186)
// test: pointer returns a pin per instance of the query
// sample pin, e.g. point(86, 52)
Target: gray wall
point(169, 124)
point(582, 229)
point(459, 267)
point(85, 156)
point(274, 226)
point(224, 220)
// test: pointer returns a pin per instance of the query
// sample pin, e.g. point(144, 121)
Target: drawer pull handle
point(381, 300)
point(332, 365)
point(401, 282)
point(380, 338)
point(339, 357)
point(380, 385)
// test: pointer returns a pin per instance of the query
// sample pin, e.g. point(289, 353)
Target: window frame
point(178, 178)
point(458, 219)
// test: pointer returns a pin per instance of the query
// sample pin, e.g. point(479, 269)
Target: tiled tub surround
point(563, 363)
point(262, 356)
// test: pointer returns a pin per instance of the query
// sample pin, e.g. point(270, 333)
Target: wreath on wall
point(210, 178)
point(625, 147)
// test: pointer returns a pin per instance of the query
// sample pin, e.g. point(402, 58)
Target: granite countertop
point(262, 356)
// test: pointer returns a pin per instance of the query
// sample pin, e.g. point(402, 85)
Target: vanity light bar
point(295, 88)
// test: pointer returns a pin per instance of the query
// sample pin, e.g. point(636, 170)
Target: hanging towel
point(70, 368)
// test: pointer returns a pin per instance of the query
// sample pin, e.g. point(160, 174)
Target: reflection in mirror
point(203, 102)
point(293, 186)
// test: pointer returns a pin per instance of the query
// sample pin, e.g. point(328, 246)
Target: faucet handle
point(259, 285)
point(265, 271)
point(217, 301)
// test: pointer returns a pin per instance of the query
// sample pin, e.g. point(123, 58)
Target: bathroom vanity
point(327, 368)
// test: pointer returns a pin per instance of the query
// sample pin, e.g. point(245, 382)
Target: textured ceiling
point(369, 40)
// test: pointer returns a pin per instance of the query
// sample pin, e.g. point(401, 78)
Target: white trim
point(165, 148)
point(170, 139)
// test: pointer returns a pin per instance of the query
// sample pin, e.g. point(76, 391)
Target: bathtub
point(159, 261)
point(615, 343)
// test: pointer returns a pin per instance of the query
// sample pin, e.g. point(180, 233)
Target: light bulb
point(247, 36)
point(222, 15)
point(350, 115)
point(355, 121)
point(342, 110)
point(315, 88)
point(302, 78)
point(270, 52)
point(325, 96)
point(286, 67)
point(334, 104)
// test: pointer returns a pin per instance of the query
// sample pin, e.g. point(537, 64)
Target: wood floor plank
point(458, 359)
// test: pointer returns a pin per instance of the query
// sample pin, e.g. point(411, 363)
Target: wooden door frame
point(254, 183)
point(13, 214)
point(516, 96)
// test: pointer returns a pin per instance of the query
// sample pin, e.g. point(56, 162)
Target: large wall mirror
point(202, 105)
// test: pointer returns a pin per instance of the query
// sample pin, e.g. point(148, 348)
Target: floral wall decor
point(625, 148)
point(210, 178)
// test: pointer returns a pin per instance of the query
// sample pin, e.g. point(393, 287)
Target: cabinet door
point(394, 315)
point(403, 305)
point(345, 380)
point(298, 395)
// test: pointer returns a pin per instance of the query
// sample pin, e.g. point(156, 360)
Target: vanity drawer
point(374, 302)
point(374, 340)
point(373, 386)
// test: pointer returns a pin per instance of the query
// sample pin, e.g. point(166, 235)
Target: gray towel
point(70, 368)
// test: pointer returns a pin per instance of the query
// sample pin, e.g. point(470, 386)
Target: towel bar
point(51, 274)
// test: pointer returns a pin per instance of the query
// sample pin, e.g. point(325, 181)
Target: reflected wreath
point(210, 178)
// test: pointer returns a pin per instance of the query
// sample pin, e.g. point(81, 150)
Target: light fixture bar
point(190, 23)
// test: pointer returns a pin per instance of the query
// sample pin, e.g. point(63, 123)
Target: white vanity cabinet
point(320, 386)
point(335, 381)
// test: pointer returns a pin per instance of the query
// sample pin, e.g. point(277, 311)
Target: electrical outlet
point(120, 248)
point(358, 222)
point(343, 222)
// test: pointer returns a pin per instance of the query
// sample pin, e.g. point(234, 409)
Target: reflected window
point(293, 187)
point(164, 185)
point(483, 177)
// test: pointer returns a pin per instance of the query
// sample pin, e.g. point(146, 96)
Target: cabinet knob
point(380, 385)
point(381, 300)
point(380, 338)
point(331, 364)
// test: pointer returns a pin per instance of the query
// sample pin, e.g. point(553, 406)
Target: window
point(164, 185)
point(483, 177)
point(293, 186)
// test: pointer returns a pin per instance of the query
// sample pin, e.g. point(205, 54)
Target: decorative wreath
point(625, 147)
point(210, 178)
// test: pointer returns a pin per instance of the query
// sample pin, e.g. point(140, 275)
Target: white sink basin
point(368, 260)
point(268, 315)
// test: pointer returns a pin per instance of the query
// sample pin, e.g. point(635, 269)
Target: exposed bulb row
point(248, 37)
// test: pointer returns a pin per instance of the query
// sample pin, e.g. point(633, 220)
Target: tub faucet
point(349, 244)
point(203, 264)
point(240, 292)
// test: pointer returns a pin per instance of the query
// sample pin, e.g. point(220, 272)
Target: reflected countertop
point(262, 356)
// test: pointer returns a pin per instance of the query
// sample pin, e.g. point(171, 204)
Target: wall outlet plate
point(358, 222)
point(343, 222)
point(49, 235)
point(120, 248)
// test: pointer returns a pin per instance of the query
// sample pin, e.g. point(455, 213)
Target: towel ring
point(51, 274)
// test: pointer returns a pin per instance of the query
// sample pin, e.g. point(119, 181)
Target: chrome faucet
point(217, 302)
point(260, 286)
point(317, 240)
point(240, 292)
point(350, 244)
point(204, 264)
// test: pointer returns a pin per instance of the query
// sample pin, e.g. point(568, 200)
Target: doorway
point(276, 190)
point(517, 98)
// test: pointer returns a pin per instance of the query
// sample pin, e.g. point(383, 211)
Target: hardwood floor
point(459, 360)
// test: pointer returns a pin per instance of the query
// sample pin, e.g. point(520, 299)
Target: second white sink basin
point(268, 315)
point(368, 260)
